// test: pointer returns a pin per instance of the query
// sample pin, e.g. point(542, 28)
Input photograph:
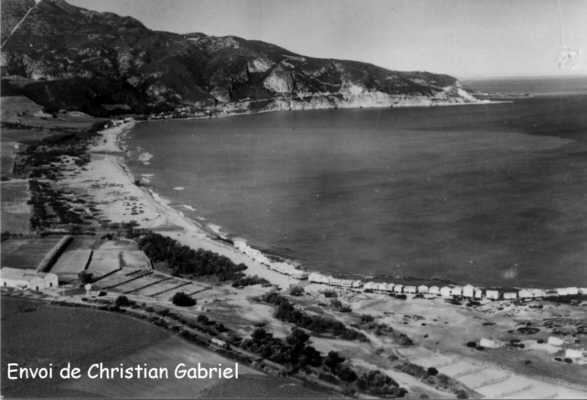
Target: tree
point(296, 291)
point(183, 300)
point(346, 374)
point(85, 277)
point(432, 371)
point(333, 360)
point(122, 301)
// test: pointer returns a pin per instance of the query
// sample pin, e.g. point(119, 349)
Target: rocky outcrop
point(101, 63)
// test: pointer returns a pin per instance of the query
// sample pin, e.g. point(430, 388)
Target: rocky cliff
point(63, 56)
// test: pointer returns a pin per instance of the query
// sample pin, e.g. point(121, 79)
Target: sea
point(492, 194)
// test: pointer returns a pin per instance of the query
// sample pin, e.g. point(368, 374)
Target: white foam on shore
point(178, 188)
point(289, 268)
point(188, 207)
point(217, 229)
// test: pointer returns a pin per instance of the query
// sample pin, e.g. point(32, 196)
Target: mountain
point(66, 57)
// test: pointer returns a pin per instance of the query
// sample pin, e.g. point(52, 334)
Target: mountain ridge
point(67, 57)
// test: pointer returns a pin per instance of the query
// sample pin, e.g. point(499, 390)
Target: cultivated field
point(71, 263)
point(26, 253)
point(36, 334)
point(104, 262)
point(16, 212)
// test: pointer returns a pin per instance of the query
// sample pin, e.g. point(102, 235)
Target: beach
point(110, 184)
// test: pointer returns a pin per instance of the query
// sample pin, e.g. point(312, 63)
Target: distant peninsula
point(66, 57)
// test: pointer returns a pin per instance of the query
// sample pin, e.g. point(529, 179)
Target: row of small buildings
point(448, 291)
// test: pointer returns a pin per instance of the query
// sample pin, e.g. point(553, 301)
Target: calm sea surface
point(488, 194)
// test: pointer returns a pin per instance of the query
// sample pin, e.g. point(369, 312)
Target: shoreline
point(280, 271)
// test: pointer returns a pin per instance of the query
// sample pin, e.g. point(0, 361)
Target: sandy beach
point(110, 184)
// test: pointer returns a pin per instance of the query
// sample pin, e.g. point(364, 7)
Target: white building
point(478, 293)
point(456, 291)
point(387, 287)
point(371, 286)
point(570, 291)
point(410, 289)
point(469, 291)
point(526, 294)
point(27, 279)
point(510, 295)
point(434, 290)
point(583, 290)
point(423, 289)
point(492, 294)
point(446, 291)
point(398, 288)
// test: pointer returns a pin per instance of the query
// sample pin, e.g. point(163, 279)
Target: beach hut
point(398, 288)
point(538, 293)
point(456, 291)
point(492, 294)
point(387, 287)
point(435, 290)
point(468, 291)
point(569, 291)
point(445, 291)
point(478, 293)
point(490, 343)
point(410, 289)
point(423, 289)
point(555, 341)
point(526, 294)
point(510, 295)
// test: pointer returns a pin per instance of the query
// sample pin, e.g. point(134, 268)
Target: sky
point(465, 38)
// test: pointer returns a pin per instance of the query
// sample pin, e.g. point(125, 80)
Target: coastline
point(158, 215)
point(440, 327)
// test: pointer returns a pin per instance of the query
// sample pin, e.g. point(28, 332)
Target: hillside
point(101, 63)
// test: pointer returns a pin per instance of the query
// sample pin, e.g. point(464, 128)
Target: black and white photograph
point(310, 199)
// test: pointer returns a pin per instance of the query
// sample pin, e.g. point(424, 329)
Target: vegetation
point(122, 301)
point(432, 377)
point(249, 281)
point(368, 322)
point(315, 323)
point(184, 260)
point(85, 277)
point(183, 300)
point(296, 291)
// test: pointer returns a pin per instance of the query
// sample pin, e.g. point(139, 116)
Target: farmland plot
point(71, 263)
point(104, 262)
point(26, 253)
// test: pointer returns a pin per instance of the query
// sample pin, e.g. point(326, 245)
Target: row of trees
point(297, 353)
point(183, 260)
point(315, 323)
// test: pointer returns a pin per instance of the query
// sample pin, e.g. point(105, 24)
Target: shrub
point(122, 301)
point(296, 291)
point(183, 300)
point(432, 371)
point(85, 277)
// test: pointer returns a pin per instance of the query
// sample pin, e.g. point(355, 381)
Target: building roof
point(16, 273)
